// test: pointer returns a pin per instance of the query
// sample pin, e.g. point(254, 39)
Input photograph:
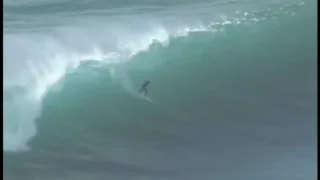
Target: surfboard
point(142, 97)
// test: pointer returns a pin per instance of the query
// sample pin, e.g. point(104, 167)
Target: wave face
point(232, 95)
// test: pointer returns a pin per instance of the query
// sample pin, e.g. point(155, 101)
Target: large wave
point(37, 61)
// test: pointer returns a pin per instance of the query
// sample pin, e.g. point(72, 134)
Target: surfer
point(144, 87)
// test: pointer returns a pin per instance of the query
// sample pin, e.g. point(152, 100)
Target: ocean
point(232, 93)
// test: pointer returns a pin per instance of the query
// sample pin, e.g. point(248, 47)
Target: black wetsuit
point(144, 88)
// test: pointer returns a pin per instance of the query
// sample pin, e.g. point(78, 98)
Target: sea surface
point(232, 93)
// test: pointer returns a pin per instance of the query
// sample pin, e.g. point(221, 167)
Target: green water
point(237, 101)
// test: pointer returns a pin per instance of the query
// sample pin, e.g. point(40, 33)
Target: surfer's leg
point(145, 92)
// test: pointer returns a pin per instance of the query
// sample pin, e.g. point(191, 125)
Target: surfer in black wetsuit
point(144, 87)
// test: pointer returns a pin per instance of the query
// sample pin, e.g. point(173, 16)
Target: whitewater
point(232, 95)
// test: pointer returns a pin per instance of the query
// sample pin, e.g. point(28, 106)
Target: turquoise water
point(232, 95)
